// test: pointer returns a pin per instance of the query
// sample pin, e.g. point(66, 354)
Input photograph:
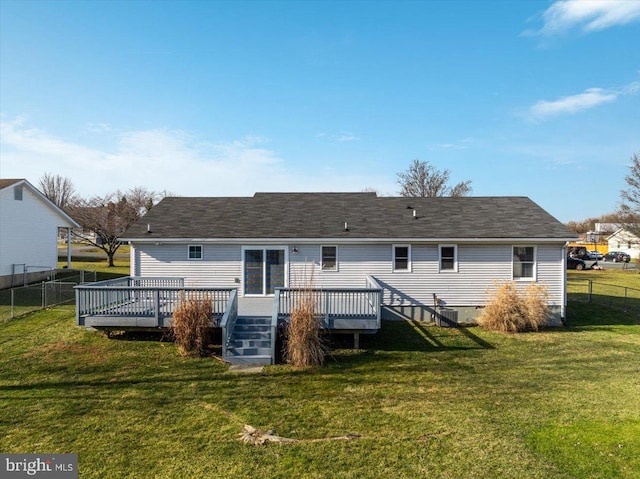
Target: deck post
point(356, 340)
point(157, 307)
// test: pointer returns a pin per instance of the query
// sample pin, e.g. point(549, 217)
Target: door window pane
point(274, 270)
point(253, 271)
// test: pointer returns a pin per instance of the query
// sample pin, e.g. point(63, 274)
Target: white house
point(29, 225)
point(422, 252)
point(625, 241)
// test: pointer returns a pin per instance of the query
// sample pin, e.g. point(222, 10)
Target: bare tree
point(109, 216)
point(422, 179)
point(630, 207)
point(59, 190)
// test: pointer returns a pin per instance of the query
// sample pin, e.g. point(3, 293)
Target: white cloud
point(587, 15)
point(346, 137)
point(572, 104)
point(161, 159)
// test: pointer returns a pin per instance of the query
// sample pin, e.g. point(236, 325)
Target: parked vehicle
point(575, 263)
point(617, 257)
point(578, 252)
point(594, 255)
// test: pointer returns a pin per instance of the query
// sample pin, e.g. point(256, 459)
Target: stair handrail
point(274, 322)
point(228, 321)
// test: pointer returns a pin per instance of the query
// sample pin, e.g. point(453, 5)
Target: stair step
point(252, 328)
point(242, 335)
point(253, 320)
point(249, 343)
point(248, 351)
point(258, 359)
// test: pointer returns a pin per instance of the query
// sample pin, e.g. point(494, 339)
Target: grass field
point(425, 401)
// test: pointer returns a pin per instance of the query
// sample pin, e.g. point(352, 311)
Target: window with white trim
point(195, 252)
point(448, 257)
point(329, 258)
point(524, 262)
point(401, 258)
point(17, 193)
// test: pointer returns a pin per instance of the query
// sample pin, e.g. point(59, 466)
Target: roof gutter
point(343, 240)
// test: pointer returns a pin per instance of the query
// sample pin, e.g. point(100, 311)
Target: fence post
point(12, 301)
point(626, 289)
point(44, 296)
point(590, 290)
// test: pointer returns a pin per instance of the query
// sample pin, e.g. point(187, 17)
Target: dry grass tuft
point(304, 345)
point(191, 326)
point(511, 311)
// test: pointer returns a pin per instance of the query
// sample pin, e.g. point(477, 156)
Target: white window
point(524, 263)
point(448, 257)
point(401, 258)
point(195, 251)
point(329, 258)
point(17, 193)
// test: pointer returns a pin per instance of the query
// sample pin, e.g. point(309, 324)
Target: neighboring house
point(421, 251)
point(29, 225)
point(625, 241)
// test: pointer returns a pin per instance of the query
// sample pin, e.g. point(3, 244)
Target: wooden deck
point(149, 303)
point(131, 302)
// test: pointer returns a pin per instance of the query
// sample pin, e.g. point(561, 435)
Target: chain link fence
point(610, 295)
point(15, 302)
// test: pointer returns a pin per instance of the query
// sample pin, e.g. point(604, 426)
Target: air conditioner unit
point(447, 318)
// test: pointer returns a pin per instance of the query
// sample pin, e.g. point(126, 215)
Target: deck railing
point(134, 297)
point(228, 321)
point(335, 303)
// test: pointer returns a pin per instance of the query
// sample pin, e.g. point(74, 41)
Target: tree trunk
point(110, 254)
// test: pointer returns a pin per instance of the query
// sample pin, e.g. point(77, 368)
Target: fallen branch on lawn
point(255, 436)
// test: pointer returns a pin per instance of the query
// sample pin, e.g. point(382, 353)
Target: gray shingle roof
point(323, 215)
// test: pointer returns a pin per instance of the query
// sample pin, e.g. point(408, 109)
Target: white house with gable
point(29, 225)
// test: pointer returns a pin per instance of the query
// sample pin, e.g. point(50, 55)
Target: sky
point(226, 98)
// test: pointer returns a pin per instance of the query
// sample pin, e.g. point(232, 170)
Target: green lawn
point(426, 402)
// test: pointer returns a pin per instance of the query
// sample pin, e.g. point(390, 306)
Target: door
point(264, 270)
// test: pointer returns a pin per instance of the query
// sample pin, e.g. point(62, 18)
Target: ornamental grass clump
point(304, 345)
point(191, 326)
point(510, 310)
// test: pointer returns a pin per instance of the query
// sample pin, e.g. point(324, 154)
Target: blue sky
point(534, 98)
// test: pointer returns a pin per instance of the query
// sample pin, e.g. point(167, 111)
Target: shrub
point(304, 344)
point(511, 311)
point(191, 326)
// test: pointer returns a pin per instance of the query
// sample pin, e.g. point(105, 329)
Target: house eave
point(152, 240)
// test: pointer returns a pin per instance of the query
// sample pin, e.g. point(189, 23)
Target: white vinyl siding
point(28, 232)
point(479, 267)
point(220, 267)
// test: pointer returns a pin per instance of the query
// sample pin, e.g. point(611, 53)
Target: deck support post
point(356, 340)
